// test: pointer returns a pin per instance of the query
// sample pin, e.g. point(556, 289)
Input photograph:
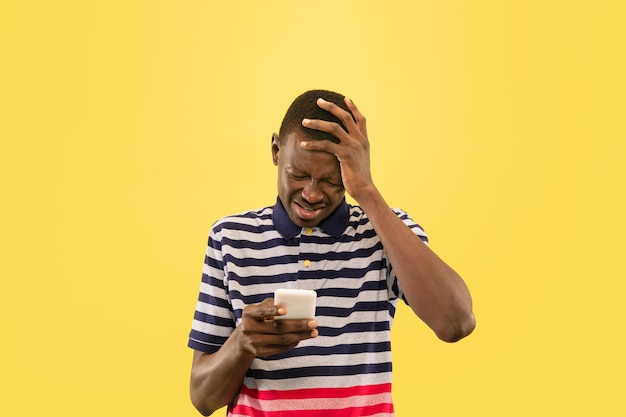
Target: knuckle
point(335, 128)
point(246, 328)
point(253, 310)
point(285, 339)
point(278, 325)
point(251, 338)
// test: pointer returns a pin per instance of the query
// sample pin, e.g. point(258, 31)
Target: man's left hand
point(353, 149)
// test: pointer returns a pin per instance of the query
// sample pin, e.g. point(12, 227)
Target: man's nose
point(312, 193)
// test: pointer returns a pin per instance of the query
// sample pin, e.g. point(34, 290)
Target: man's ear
point(275, 148)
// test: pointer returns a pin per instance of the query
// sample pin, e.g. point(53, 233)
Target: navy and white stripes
point(252, 254)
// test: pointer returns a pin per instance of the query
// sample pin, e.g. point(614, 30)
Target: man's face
point(309, 182)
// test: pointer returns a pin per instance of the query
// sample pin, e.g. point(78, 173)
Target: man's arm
point(435, 292)
point(216, 378)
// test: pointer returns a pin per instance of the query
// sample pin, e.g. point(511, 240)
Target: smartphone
point(300, 304)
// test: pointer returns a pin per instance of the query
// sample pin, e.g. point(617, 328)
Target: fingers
point(266, 310)
point(320, 145)
point(329, 127)
point(353, 120)
point(347, 118)
point(300, 329)
point(268, 338)
point(263, 336)
point(259, 318)
point(359, 119)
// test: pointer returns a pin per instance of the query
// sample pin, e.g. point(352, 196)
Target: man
point(359, 259)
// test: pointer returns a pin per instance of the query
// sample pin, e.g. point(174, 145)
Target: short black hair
point(305, 107)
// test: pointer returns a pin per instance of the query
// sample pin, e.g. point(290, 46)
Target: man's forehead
point(297, 136)
point(293, 142)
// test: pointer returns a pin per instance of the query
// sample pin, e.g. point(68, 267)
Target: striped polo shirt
point(346, 370)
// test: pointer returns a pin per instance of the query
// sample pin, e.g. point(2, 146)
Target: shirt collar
point(334, 225)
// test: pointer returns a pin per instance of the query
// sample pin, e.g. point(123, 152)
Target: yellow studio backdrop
point(129, 127)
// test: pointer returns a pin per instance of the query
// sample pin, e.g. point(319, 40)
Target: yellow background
point(128, 127)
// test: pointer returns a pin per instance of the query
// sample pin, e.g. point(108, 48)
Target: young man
point(359, 259)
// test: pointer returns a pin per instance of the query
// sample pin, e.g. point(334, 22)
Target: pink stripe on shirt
point(368, 400)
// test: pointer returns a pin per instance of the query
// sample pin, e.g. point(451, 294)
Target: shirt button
point(308, 230)
point(307, 263)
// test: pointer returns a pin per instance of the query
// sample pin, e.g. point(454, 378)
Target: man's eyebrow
point(292, 168)
point(331, 179)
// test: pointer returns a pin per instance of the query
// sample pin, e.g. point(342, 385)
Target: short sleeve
point(394, 287)
point(214, 319)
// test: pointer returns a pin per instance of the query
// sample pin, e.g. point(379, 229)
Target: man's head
point(305, 107)
point(309, 182)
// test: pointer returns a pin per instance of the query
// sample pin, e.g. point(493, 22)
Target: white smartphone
point(300, 304)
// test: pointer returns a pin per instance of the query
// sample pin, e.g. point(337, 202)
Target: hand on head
point(353, 149)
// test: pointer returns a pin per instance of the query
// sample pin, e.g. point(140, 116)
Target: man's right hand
point(263, 336)
point(217, 377)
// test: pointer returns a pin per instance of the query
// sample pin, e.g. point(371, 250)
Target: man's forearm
point(434, 291)
point(217, 378)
